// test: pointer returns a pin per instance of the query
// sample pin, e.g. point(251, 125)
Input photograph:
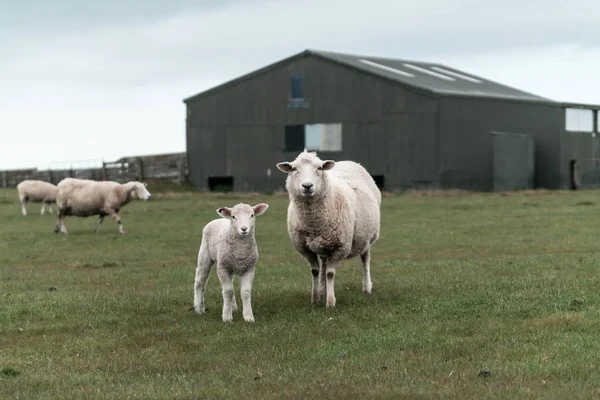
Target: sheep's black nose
point(307, 185)
point(244, 229)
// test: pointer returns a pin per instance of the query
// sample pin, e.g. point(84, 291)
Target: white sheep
point(36, 192)
point(229, 242)
point(334, 214)
point(83, 198)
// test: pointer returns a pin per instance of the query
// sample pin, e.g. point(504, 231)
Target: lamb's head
point(242, 217)
point(138, 191)
point(307, 175)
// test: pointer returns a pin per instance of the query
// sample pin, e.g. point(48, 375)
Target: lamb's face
point(140, 192)
point(242, 217)
point(306, 174)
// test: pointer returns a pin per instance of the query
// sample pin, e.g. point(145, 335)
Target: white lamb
point(333, 215)
point(230, 243)
point(83, 197)
point(36, 192)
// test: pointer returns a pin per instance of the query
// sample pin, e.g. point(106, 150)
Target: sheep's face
point(139, 191)
point(242, 217)
point(307, 175)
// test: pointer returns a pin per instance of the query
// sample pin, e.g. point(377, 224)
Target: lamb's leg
point(100, 220)
point(246, 292)
point(202, 274)
point(234, 306)
point(23, 206)
point(367, 285)
point(227, 285)
point(43, 208)
point(330, 267)
point(117, 219)
point(49, 205)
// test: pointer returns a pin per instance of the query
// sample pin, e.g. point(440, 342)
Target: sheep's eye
point(320, 168)
point(252, 216)
point(293, 169)
point(233, 216)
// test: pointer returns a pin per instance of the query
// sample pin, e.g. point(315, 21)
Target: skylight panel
point(386, 68)
point(456, 75)
point(426, 71)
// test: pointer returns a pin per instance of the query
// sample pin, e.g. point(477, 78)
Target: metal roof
point(433, 78)
point(436, 78)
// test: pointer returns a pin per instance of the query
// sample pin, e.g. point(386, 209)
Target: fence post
point(103, 171)
point(181, 170)
point(141, 168)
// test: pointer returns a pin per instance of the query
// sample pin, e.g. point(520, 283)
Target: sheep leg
point(330, 267)
point(49, 205)
point(313, 262)
point(227, 284)
point(60, 225)
point(202, 274)
point(100, 220)
point(43, 208)
point(367, 285)
point(118, 221)
point(322, 280)
point(23, 206)
point(246, 292)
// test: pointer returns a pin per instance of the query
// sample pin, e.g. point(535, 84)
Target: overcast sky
point(83, 80)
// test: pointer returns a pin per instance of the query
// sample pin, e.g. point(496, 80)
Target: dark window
point(379, 181)
point(297, 87)
point(220, 183)
point(294, 137)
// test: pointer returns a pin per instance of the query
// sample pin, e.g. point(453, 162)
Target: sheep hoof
point(249, 319)
point(227, 318)
point(330, 302)
point(200, 310)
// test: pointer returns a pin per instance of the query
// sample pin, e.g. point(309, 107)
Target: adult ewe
point(83, 197)
point(36, 192)
point(229, 242)
point(333, 215)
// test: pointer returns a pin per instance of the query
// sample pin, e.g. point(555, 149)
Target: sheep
point(83, 198)
point(37, 192)
point(334, 214)
point(229, 242)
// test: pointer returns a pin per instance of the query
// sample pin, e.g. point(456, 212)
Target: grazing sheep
point(37, 192)
point(230, 243)
point(333, 215)
point(83, 197)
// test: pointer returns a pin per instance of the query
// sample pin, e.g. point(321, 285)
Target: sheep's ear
point(260, 208)
point(285, 167)
point(224, 212)
point(328, 164)
point(145, 184)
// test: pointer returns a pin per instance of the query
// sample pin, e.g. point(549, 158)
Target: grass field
point(462, 284)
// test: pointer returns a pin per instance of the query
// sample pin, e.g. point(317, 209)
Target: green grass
point(509, 284)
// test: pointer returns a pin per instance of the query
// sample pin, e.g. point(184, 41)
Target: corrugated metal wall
point(239, 130)
point(466, 151)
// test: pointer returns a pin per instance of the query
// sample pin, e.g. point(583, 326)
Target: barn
point(413, 125)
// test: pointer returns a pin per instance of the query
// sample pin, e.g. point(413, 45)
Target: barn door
point(513, 161)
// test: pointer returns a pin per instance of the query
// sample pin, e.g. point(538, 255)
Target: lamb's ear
point(327, 165)
point(224, 212)
point(260, 208)
point(284, 167)
point(145, 184)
